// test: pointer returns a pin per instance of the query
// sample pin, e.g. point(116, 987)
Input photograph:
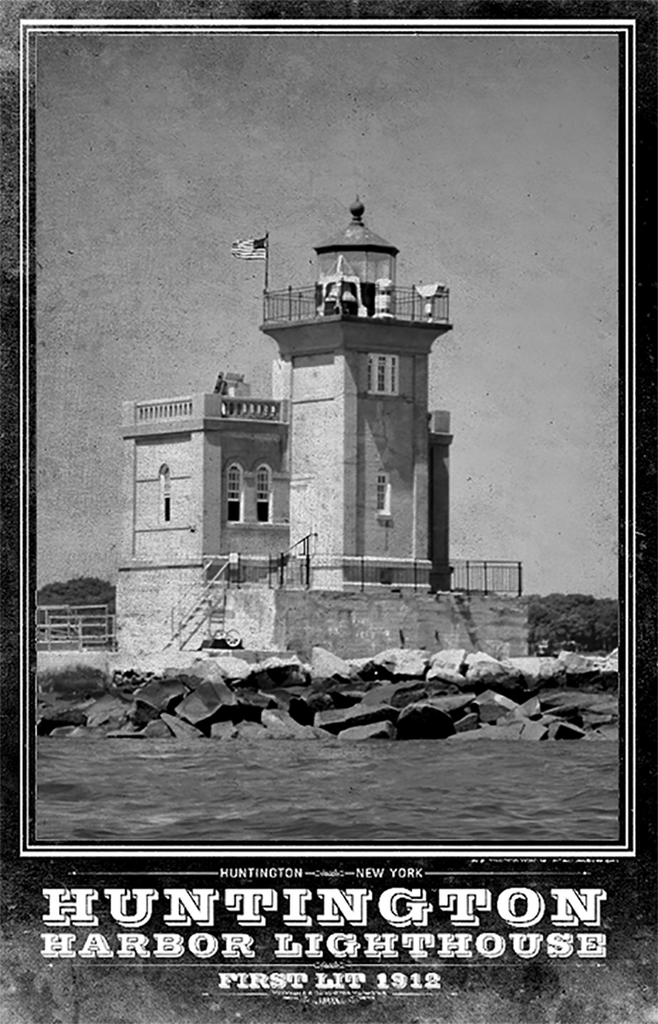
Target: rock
point(209, 701)
point(223, 731)
point(606, 732)
point(579, 669)
point(564, 731)
point(493, 675)
point(491, 706)
point(466, 722)
point(251, 731)
point(374, 731)
point(56, 718)
point(157, 730)
point(539, 672)
point(534, 731)
point(281, 725)
point(527, 709)
point(62, 731)
point(492, 732)
point(452, 660)
point(181, 730)
point(364, 669)
point(161, 695)
point(254, 698)
point(403, 663)
point(334, 721)
point(277, 672)
point(230, 669)
point(424, 721)
point(315, 702)
point(454, 703)
point(109, 710)
point(300, 711)
point(325, 665)
point(438, 673)
point(125, 734)
point(398, 695)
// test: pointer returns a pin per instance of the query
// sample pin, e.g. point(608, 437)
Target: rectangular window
point(383, 495)
point(382, 374)
point(234, 495)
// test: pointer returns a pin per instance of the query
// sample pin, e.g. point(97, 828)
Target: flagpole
point(267, 258)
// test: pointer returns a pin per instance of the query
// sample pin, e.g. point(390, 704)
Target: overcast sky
point(490, 161)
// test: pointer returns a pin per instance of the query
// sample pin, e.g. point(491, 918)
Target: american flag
point(250, 249)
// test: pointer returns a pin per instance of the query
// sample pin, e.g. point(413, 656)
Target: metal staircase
point(202, 605)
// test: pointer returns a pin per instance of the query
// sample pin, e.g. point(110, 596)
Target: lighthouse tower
point(368, 464)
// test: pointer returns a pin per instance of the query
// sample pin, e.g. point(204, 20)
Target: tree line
point(588, 623)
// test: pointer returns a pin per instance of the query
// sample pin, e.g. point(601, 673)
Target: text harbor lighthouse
point(336, 481)
point(368, 464)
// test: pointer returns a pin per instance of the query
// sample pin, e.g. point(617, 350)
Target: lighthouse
point(368, 461)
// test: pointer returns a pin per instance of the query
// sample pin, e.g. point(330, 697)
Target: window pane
point(381, 373)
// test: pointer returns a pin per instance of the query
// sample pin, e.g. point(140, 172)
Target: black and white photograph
point(329, 703)
point(327, 377)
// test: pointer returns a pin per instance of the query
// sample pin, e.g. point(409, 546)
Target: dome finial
point(357, 210)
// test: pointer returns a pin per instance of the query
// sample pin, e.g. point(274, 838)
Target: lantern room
point(356, 270)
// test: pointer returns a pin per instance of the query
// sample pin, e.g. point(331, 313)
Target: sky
point(490, 161)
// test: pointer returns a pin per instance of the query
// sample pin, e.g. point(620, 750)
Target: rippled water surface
point(158, 791)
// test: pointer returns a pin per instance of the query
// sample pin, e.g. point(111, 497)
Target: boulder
point(606, 732)
point(56, 718)
point(251, 731)
point(452, 661)
point(491, 706)
point(210, 700)
point(424, 721)
point(223, 731)
point(539, 672)
point(157, 729)
point(438, 673)
point(374, 731)
point(161, 695)
point(300, 711)
point(276, 672)
point(181, 730)
point(62, 731)
point(315, 702)
point(226, 667)
point(528, 709)
point(534, 730)
point(334, 721)
point(466, 723)
point(492, 732)
point(579, 669)
point(564, 731)
point(454, 703)
point(254, 698)
point(109, 711)
point(403, 663)
point(283, 726)
point(325, 665)
point(398, 695)
point(493, 675)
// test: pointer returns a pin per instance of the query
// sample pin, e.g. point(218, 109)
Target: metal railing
point(75, 627)
point(486, 577)
point(292, 304)
point(191, 609)
point(365, 572)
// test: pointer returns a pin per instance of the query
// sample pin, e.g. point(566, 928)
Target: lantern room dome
point(356, 236)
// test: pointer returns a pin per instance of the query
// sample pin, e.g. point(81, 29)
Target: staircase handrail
point(298, 543)
point(176, 609)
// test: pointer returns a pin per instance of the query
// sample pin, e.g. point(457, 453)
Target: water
point(153, 791)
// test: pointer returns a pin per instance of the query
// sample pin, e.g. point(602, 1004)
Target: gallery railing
point(292, 304)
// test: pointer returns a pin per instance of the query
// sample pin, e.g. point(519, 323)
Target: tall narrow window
point(165, 494)
point(263, 494)
point(382, 374)
point(383, 495)
point(234, 494)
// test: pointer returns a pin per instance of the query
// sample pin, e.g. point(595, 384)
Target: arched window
point(383, 495)
point(234, 494)
point(263, 494)
point(165, 493)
